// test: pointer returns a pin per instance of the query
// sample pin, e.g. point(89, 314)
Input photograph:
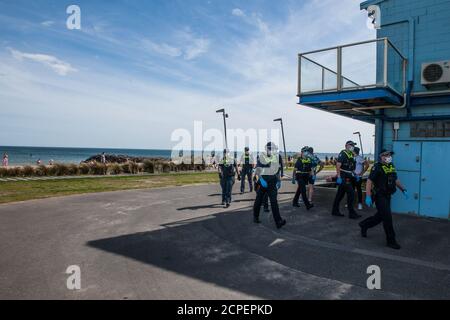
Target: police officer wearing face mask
point(344, 167)
point(247, 164)
point(384, 182)
point(302, 173)
point(269, 171)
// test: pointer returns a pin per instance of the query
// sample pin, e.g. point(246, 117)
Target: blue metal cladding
point(435, 180)
point(407, 160)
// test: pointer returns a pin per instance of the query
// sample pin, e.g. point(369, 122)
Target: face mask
point(388, 160)
point(351, 148)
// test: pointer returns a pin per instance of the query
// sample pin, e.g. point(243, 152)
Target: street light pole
point(360, 142)
point(284, 141)
point(225, 116)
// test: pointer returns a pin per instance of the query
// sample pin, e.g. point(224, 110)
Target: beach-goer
point(103, 158)
point(39, 162)
point(5, 160)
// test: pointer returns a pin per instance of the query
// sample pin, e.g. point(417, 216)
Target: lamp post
point(284, 142)
point(360, 142)
point(225, 116)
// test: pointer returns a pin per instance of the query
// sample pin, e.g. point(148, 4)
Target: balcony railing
point(363, 65)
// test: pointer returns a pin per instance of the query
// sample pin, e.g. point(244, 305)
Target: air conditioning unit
point(436, 74)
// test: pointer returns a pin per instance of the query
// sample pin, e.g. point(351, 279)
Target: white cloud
point(238, 12)
point(48, 23)
point(162, 48)
point(198, 47)
point(60, 67)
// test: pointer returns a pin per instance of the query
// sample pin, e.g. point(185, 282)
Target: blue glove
point(369, 201)
point(314, 178)
point(339, 181)
point(263, 182)
point(278, 184)
point(405, 193)
point(357, 178)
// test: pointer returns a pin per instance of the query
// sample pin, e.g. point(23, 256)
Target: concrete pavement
point(178, 243)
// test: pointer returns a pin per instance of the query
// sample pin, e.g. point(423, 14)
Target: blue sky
point(138, 70)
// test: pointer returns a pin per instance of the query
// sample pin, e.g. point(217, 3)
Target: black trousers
point(302, 181)
point(266, 195)
point(345, 188)
point(358, 186)
point(383, 215)
point(271, 192)
point(246, 173)
point(227, 186)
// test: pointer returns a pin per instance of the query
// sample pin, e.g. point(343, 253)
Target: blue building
point(400, 82)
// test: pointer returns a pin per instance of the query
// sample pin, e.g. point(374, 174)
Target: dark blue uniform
point(384, 178)
point(227, 174)
point(348, 164)
point(303, 168)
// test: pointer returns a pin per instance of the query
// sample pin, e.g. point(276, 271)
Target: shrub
point(61, 169)
point(83, 168)
point(98, 168)
point(149, 167)
point(115, 168)
point(73, 169)
point(126, 168)
point(158, 167)
point(166, 168)
point(3, 172)
point(41, 171)
point(134, 167)
point(15, 172)
point(27, 171)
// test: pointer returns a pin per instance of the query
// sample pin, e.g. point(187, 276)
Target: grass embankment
point(12, 191)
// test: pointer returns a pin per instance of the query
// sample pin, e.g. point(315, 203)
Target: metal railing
point(369, 64)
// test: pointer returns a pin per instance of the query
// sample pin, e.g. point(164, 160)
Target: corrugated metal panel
point(435, 180)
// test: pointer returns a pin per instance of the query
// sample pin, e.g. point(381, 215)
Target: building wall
point(420, 29)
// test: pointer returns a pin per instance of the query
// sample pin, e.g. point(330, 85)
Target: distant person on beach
point(5, 160)
point(39, 162)
point(103, 158)
point(51, 162)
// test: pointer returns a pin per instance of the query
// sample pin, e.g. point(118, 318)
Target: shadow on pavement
point(315, 256)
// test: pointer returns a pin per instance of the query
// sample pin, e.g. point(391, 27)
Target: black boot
point(295, 204)
point(281, 223)
point(363, 230)
point(354, 216)
point(256, 220)
point(393, 245)
point(309, 207)
point(337, 214)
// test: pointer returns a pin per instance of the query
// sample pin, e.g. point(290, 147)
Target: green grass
point(12, 191)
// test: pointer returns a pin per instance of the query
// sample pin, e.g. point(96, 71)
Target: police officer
point(247, 165)
point(316, 162)
point(269, 171)
point(383, 178)
point(344, 168)
point(266, 196)
point(227, 172)
point(302, 173)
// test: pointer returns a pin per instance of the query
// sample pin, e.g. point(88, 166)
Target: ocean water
point(29, 155)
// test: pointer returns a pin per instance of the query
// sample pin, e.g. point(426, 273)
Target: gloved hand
point(405, 193)
point(358, 178)
point(313, 178)
point(278, 184)
point(369, 201)
point(263, 182)
point(293, 179)
point(339, 181)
